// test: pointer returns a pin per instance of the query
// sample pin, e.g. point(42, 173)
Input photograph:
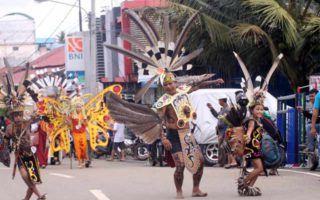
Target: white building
point(17, 39)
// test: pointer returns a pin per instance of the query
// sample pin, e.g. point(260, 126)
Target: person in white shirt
point(118, 142)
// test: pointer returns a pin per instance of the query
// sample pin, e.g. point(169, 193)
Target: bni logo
point(75, 45)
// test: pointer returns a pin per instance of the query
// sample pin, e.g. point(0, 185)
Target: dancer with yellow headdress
point(68, 112)
point(79, 124)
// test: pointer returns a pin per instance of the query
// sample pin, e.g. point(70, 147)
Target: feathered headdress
point(12, 99)
point(256, 91)
point(51, 83)
point(159, 56)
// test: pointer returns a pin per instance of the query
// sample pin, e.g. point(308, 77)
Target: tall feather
point(246, 75)
point(185, 59)
point(9, 88)
point(4, 84)
point(168, 39)
point(145, 88)
point(183, 35)
point(144, 29)
point(132, 40)
point(193, 79)
point(9, 74)
point(151, 26)
point(22, 88)
point(271, 71)
point(131, 54)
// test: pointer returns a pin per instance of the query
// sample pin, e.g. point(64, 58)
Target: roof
point(55, 57)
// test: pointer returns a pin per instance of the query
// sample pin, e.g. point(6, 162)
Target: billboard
point(74, 53)
point(75, 62)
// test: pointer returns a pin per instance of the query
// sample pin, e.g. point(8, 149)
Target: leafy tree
point(61, 37)
point(258, 30)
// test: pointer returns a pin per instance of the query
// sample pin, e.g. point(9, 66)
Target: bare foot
point(179, 195)
point(199, 193)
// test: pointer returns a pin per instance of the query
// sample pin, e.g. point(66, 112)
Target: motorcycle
point(103, 151)
point(157, 153)
point(135, 147)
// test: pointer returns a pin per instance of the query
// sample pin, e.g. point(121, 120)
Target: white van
point(205, 132)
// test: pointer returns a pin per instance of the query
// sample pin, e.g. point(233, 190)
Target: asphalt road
point(132, 180)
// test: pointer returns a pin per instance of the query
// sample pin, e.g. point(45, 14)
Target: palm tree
point(61, 37)
point(259, 30)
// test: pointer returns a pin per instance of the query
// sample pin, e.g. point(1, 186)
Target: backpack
point(271, 129)
point(273, 155)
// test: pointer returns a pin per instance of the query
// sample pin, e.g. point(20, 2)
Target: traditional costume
point(78, 130)
point(57, 106)
point(160, 58)
point(42, 147)
point(20, 108)
point(248, 148)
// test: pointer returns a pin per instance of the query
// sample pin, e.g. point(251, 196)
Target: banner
point(74, 53)
point(76, 74)
point(314, 82)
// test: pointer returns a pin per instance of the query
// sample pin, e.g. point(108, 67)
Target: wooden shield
point(190, 150)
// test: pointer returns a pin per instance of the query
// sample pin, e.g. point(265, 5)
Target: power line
point(24, 42)
point(65, 17)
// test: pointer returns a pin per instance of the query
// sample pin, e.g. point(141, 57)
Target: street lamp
point(91, 79)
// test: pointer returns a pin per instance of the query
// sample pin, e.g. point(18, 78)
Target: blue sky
point(52, 18)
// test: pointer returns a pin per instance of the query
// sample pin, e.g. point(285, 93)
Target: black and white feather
point(260, 85)
point(159, 55)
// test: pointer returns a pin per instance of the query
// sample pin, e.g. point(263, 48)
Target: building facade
point(17, 44)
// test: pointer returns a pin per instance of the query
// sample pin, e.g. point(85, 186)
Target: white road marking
point(298, 172)
point(61, 175)
point(99, 195)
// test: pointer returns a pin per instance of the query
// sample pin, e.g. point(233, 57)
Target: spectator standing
point(118, 141)
point(221, 130)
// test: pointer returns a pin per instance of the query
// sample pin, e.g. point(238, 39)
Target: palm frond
point(218, 32)
point(274, 15)
point(255, 35)
point(311, 26)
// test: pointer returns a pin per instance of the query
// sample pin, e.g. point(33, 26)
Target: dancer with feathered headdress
point(245, 140)
point(67, 112)
point(173, 109)
point(20, 109)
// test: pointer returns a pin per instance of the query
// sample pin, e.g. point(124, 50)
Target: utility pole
point(93, 49)
point(80, 17)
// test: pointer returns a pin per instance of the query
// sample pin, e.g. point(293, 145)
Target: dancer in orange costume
point(79, 125)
